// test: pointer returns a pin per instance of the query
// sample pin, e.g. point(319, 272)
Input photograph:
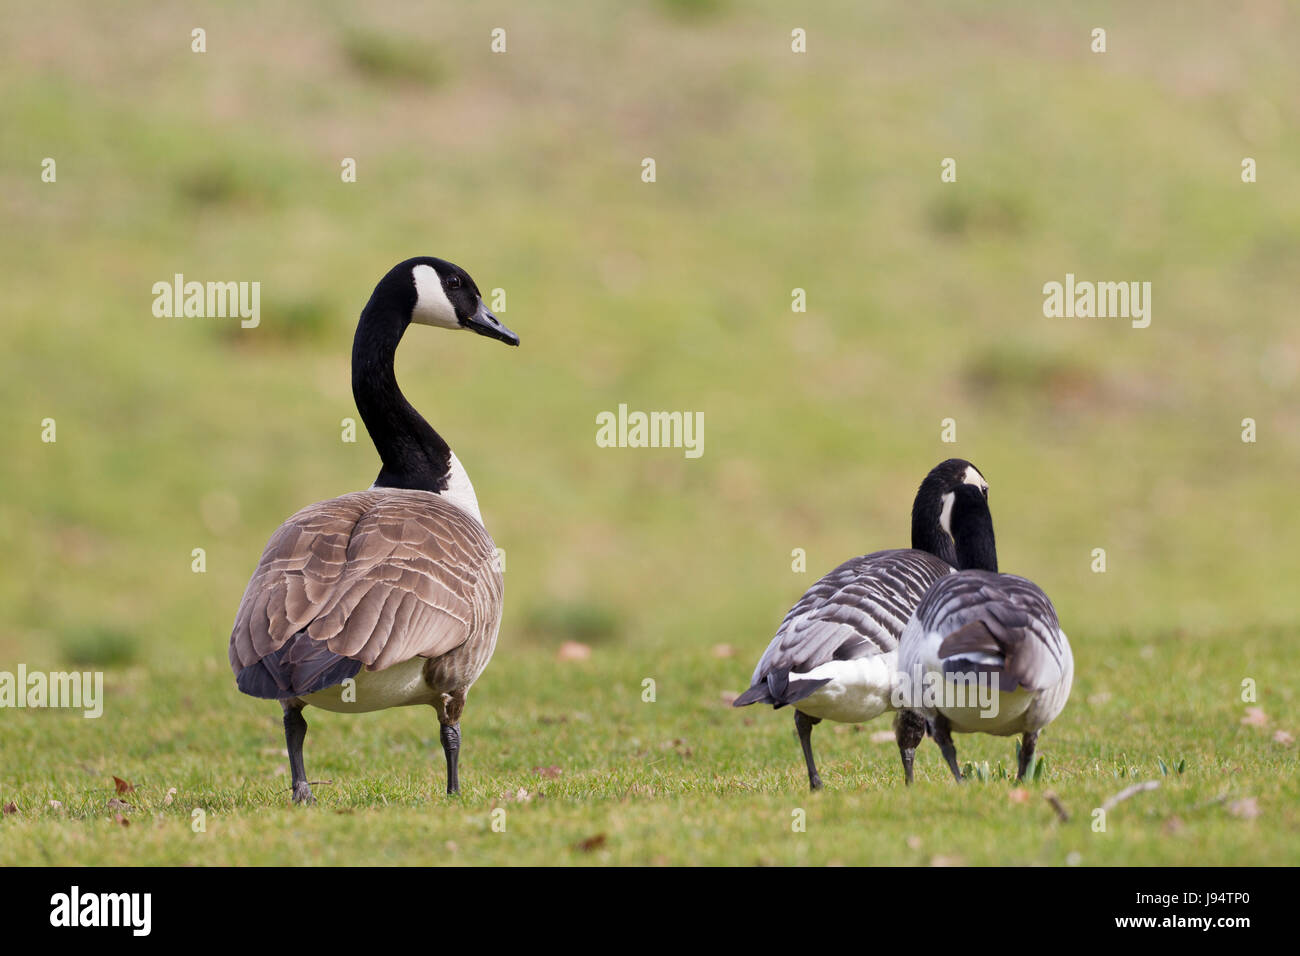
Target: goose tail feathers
point(301, 666)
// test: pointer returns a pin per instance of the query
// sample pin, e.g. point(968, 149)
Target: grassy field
point(775, 171)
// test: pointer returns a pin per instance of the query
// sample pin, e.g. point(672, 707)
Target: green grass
point(683, 779)
point(775, 171)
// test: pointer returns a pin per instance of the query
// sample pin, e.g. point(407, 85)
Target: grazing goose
point(835, 654)
point(395, 590)
point(981, 626)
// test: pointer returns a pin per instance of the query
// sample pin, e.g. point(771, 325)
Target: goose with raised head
point(391, 596)
point(835, 655)
point(983, 652)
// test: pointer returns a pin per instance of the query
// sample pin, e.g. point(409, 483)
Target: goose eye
point(453, 282)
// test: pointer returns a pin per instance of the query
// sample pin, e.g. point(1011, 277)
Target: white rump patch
point(858, 690)
point(432, 307)
point(400, 685)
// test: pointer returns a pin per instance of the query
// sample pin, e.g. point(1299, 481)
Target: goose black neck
point(972, 530)
point(413, 454)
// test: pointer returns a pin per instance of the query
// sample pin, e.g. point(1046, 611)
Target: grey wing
point(857, 610)
point(997, 622)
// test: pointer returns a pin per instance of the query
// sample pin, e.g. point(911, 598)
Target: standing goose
point(835, 654)
point(978, 626)
point(395, 590)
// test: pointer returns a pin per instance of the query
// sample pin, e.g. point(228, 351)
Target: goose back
point(856, 611)
point(980, 621)
point(371, 579)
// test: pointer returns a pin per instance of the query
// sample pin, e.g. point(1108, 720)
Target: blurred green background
point(774, 171)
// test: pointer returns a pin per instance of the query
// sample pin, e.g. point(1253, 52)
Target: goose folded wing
point(857, 610)
point(1009, 630)
point(376, 577)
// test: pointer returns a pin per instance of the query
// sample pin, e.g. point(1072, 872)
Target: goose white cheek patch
point(945, 516)
point(432, 307)
point(972, 477)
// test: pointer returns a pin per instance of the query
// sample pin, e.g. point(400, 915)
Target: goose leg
point(295, 732)
point(450, 705)
point(943, 737)
point(804, 725)
point(909, 731)
point(451, 747)
point(1028, 742)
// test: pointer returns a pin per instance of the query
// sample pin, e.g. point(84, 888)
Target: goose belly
point(858, 690)
point(398, 686)
point(1004, 715)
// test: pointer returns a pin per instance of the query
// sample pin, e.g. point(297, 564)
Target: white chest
point(460, 491)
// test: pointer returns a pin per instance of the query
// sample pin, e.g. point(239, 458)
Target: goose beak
point(485, 323)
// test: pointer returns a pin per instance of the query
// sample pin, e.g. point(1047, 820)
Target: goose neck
point(413, 454)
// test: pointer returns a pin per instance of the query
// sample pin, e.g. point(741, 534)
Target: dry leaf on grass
point(1247, 808)
point(1255, 717)
point(729, 697)
point(10, 807)
point(1018, 795)
point(116, 804)
point(171, 795)
point(121, 820)
point(1282, 737)
point(548, 773)
point(682, 748)
point(573, 651)
point(592, 843)
point(123, 786)
point(723, 650)
point(882, 737)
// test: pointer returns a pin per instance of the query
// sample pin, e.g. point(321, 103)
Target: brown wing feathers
point(376, 576)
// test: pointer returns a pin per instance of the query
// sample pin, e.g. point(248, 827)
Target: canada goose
point(835, 654)
point(401, 578)
point(978, 629)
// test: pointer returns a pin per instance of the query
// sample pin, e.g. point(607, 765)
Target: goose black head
point(443, 295)
point(932, 509)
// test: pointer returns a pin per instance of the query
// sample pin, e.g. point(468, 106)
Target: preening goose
point(835, 654)
point(395, 590)
point(984, 652)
